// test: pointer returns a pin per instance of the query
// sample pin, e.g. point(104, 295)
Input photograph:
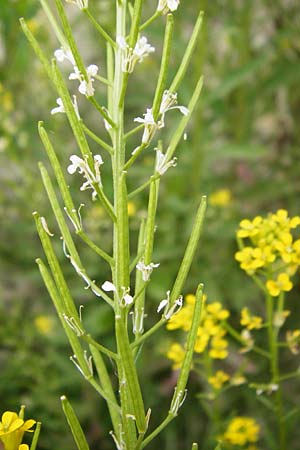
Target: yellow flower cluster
point(293, 341)
point(12, 429)
point(242, 431)
point(249, 321)
point(176, 353)
point(221, 197)
point(270, 248)
point(218, 379)
point(211, 333)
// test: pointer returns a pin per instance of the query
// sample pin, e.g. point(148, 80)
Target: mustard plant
point(126, 290)
point(269, 253)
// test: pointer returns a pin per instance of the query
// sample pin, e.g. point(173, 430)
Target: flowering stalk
point(129, 416)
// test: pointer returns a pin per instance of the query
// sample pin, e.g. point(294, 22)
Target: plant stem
point(275, 374)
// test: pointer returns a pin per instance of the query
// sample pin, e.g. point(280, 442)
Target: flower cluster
point(93, 178)
point(218, 379)
point(85, 80)
point(268, 248)
point(12, 429)
point(249, 321)
point(220, 198)
point(169, 102)
point(242, 431)
point(134, 55)
point(211, 332)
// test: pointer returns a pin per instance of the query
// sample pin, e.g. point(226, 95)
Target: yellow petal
point(8, 417)
point(28, 424)
point(23, 447)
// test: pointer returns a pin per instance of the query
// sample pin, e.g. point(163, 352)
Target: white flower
point(169, 311)
point(61, 54)
point(133, 55)
point(142, 49)
point(82, 4)
point(125, 300)
point(146, 269)
point(169, 101)
point(86, 86)
point(61, 109)
point(150, 126)
point(167, 5)
point(162, 164)
point(107, 286)
point(83, 167)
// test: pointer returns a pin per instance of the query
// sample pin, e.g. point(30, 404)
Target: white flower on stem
point(92, 177)
point(162, 164)
point(150, 126)
point(86, 86)
point(146, 269)
point(82, 4)
point(142, 49)
point(169, 101)
point(131, 56)
point(170, 310)
point(107, 286)
point(61, 54)
point(61, 109)
point(167, 5)
point(125, 299)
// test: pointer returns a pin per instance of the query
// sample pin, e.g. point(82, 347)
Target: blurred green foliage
point(244, 138)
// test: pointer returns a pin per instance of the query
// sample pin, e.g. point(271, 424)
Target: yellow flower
point(210, 331)
point(7, 101)
point(215, 309)
point(221, 197)
point(242, 431)
point(218, 348)
point(183, 319)
point(249, 321)
point(176, 353)
point(282, 283)
point(12, 429)
point(293, 341)
point(44, 324)
point(218, 379)
point(249, 228)
point(201, 342)
point(131, 207)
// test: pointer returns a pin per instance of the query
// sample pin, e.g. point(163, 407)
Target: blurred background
point(242, 150)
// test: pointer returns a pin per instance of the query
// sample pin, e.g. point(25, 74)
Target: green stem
point(95, 248)
point(99, 28)
point(238, 338)
point(162, 77)
point(150, 20)
point(275, 374)
point(98, 140)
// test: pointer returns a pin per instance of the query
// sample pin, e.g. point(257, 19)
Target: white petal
point(107, 286)
point(92, 70)
point(185, 111)
point(83, 88)
point(59, 55)
point(162, 305)
point(98, 159)
point(128, 299)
